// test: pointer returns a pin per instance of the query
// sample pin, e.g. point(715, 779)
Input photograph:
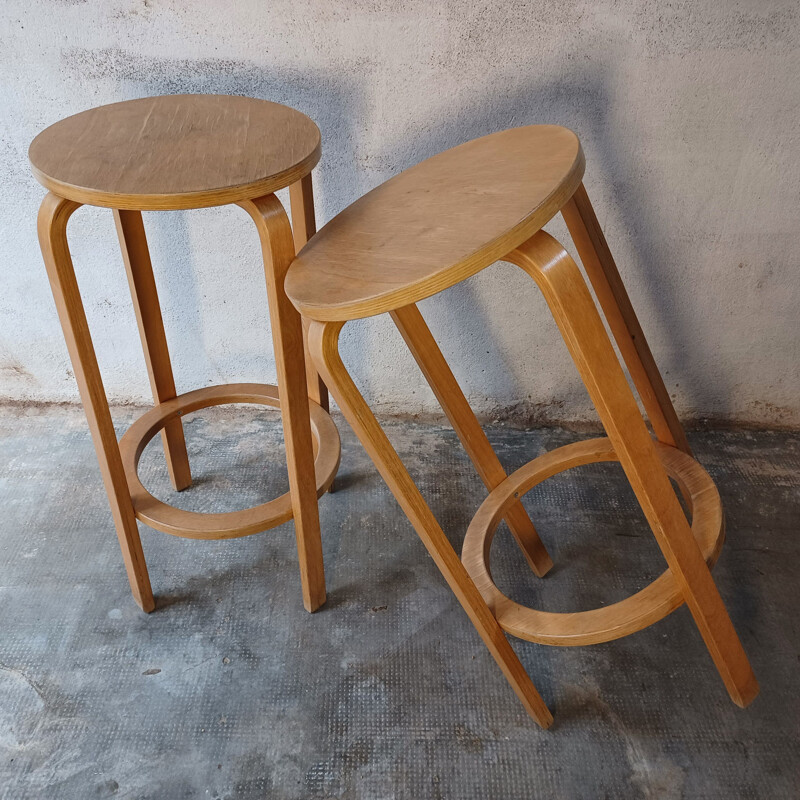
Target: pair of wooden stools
point(421, 232)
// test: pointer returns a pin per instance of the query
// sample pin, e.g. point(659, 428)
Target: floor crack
point(25, 677)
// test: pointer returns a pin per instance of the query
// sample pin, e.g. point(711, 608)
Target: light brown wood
point(436, 223)
point(323, 345)
point(304, 226)
point(638, 611)
point(562, 285)
point(437, 372)
point(136, 256)
point(232, 524)
point(53, 217)
point(613, 298)
point(175, 151)
point(301, 201)
point(287, 333)
point(180, 152)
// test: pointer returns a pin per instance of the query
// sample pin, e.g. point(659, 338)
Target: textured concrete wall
point(688, 113)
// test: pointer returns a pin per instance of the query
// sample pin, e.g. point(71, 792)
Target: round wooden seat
point(437, 223)
point(175, 151)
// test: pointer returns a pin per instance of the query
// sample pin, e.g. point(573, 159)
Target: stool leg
point(135, 254)
point(437, 372)
point(53, 217)
point(304, 226)
point(323, 345)
point(287, 335)
point(560, 280)
point(608, 286)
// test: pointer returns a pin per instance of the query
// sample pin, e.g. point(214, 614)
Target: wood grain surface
point(175, 151)
point(436, 223)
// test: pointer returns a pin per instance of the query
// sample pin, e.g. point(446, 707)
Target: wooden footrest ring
point(600, 624)
point(229, 525)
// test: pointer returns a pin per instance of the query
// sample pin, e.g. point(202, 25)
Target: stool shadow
point(581, 100)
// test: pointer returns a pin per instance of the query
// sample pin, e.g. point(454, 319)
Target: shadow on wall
point(582, 102)
point(332, 103)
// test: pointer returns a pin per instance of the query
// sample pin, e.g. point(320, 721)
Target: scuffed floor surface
point(231, 690)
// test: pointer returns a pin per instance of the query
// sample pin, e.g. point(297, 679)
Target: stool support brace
point(567, 295)
point(437, 372)
point(573, 308)
point(323, 340)
point(54, 214)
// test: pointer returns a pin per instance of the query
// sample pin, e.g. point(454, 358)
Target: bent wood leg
point(287, 334)
point(304, 226)
point(135, 254)
point(608, 286)
point(560, 280)
point(323, 345)
point(53, 216)
point(437, 372)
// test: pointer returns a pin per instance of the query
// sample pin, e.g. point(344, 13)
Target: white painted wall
point(688, 112)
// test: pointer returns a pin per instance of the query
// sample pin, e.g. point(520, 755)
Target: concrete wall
point(688, 113)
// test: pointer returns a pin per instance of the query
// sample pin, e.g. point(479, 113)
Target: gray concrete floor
point(231, 690)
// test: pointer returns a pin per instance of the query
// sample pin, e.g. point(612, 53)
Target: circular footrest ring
point(600, 624)
point(232, 524)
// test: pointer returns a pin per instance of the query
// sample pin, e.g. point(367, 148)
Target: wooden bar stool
point(181, 152)
point(439, 223)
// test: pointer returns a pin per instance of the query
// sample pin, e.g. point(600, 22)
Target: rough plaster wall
point(688, 113)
